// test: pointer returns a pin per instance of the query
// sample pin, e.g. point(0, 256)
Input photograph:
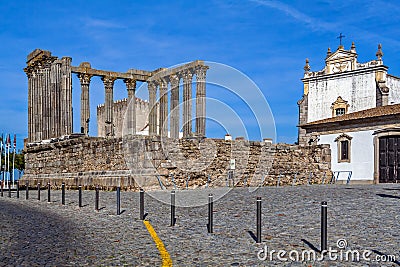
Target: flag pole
point(8, 161)
point(3, 166)
point(13, 160)
point(1, 163)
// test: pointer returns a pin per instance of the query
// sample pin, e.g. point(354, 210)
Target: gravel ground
point(38, 233)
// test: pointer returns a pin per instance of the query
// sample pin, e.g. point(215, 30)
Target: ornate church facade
point(355, 108)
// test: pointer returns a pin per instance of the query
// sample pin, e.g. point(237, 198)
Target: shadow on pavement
point(39, 238)
point(388, 196)
point(310, 245)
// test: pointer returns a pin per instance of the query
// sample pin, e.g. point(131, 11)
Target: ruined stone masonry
point(88, 161)
point(123, 154)
point(119, 110)
point(50, 101)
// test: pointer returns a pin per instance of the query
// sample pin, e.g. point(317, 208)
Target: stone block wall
point(138, 162)
point(119, 109)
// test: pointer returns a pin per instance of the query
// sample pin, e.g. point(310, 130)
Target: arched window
point(344, 147)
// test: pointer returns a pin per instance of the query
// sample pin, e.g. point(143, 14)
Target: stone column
point(39, 99)
point(174, 107)
point(163, 119)
point(131, 109)
point(28, 72)
point(152, 87)
point(108, 104)
point(45, 101)
point(85, 102)
point(66, 97)
point(34, 106)
point(56, 88)
point(201, 101)
point(187, 103)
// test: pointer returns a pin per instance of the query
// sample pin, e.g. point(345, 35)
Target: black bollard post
point(258, 220)
point(80, 196)
point(38, 189)
point(141, 204)
point(97, 198)
point(172, 208)
point(2, 185)
point(63, 193)
point(17, 189)
point(210, 213)
point(118, 200)
point(324, 226)
point(48, 192)
point(26, 190)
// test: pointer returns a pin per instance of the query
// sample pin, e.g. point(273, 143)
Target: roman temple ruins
point(146, 142)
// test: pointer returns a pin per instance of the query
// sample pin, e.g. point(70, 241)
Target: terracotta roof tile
point(363, 114)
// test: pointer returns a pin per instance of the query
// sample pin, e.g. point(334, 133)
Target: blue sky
point(266, 40)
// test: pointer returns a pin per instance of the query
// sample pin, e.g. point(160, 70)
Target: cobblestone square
point(38, 233)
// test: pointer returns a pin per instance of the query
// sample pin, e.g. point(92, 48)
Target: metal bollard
point(294, 179)
point(9, 189)
point(80, 196)
point(324, 226)
point(63, 193)
point(141, 204)
point(258, 220)
point(97, 199)
point(279, 179)
point(210, 213)
point(323, 178)
point(172, 208)
point(2, 185)
point(309, 178)
point(118, 200)
point(48, 193)
point(187, 182)
point(17, 189)
point(38, 188)
point(27, 190)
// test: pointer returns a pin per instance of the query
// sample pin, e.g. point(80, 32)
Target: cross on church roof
point(340, 37)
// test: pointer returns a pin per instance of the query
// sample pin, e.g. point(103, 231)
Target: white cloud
point(313, 23)
point(101, 23)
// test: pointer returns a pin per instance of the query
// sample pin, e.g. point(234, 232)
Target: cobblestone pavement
point(38, 233)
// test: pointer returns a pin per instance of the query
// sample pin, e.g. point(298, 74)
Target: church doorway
point(389, 159)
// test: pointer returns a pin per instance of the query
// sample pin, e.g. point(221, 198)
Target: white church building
point(355, 108)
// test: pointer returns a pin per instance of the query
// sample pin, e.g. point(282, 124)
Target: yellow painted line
point(166, 259)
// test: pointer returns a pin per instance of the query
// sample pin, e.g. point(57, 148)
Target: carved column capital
point(162, 83)
point(174, 79)
point(84, 78)
point(108, 81)
point(130, 84)
point(200, 72)
point(187, 76)
point(152, 86)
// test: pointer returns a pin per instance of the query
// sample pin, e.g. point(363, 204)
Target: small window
point(344, 147)
point(340, 111)
point(339, 107)
point(344, 150)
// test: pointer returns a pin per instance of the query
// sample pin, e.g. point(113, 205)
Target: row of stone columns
point(49, 97)
point(155, 119)
point(174, 80)
point(108, 82)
